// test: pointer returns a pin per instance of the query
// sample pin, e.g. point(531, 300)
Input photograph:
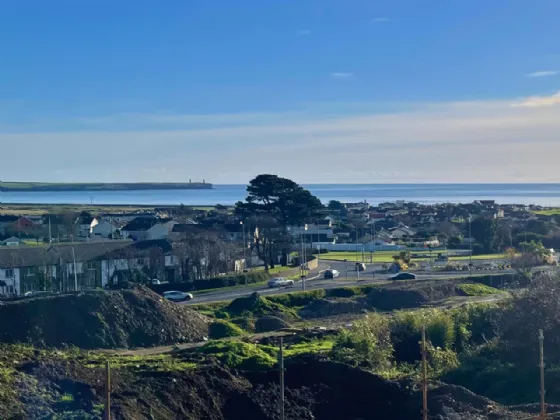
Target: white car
point(280, 282)
point(176, 296)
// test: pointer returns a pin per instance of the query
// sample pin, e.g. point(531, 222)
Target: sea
point(539, 194)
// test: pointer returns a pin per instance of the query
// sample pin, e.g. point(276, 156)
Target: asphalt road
point(316, 281)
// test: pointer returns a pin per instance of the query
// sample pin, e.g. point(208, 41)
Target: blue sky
point(320, 91)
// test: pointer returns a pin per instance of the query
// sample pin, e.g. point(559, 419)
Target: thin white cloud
point(481, 141)
point(543, 73)
point(304, 32)
point(342, 75)
point(380, 19)
point(539, 101)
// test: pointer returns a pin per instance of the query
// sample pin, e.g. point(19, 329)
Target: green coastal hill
point(46, 186)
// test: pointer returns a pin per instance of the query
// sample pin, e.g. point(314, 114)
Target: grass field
point(387, 256)
point(40, 209)
point(549, 212)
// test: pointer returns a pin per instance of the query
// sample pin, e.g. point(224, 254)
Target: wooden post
point(541, 366)
point(281, 370)
point(424, 377)
point(108, 391)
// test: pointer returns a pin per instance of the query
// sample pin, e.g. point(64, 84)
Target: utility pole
point(108, 391)
point(470, 245)
point(302, 265)
point(244, 246)
point(541, 365)
point(75, 272)
point(281, 371)
point(424, 377)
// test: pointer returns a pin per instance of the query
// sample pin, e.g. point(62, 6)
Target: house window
point(141, 261)
point(30, 271)
point(90, 265)
point(9, 273)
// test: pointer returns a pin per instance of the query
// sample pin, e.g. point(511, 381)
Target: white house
point(402, 232)
point(103, 229)
point(160, 230)
point(12, 241)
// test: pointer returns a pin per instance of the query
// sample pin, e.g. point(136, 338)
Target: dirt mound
point(326, 307)
point(115, 319)
point(270, 323)
point(409, 295)
point(315, 388)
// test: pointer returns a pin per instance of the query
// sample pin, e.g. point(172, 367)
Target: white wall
point(157, 232)
point(368, 247)
point(103, 229)
point(10, 281)
point(108, 268)
point(171, 261)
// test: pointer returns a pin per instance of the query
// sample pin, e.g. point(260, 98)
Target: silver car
point(176, 296)
point(280, 282)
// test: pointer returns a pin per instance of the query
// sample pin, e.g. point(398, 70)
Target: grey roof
point(36, 256)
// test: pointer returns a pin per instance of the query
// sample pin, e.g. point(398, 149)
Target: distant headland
point(116, 186)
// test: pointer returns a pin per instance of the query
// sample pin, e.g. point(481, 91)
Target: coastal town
point(339, 291)
point(79, 250)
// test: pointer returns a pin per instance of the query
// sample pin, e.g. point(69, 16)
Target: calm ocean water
point(542, 194)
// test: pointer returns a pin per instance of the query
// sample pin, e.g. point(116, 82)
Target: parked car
point(280, 282)
point(403, 276)
point(176, 296)
point(332, 274)
point(38, 293)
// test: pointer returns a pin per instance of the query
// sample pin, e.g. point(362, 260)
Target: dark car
point(331, 274)
point(403, 276)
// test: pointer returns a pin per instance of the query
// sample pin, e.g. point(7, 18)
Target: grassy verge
point(548, 212)
point(477, 289)
point(387, 257)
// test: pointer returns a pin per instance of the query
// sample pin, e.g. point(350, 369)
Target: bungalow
point(11, 241)
point(357, 206)
point(147, 227)
point(312, 233)
point(403, 232)
point(23, 223)
point(104, 228)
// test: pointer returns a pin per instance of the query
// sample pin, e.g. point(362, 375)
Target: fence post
point(281, 370)
point(541, 366)
point(108, 391)
point(424, 376)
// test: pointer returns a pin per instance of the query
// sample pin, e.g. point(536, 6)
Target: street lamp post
point(244, 245)
point(304, 256)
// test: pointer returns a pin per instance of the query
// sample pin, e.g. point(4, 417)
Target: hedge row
point(303, 298)
point(493, 280)
point(214, 283)
point(297, 298)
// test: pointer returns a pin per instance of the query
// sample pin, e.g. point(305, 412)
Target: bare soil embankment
point(100, 319)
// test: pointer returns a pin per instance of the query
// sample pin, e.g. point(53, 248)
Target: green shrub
point(475, 324)
point(239, 355)
point(406, 334)
point(297, 298)
point(255, 305)
point(344, 292)
point(223, 329)
point(214, 283)
point(367, 343)
point(229, 281)
point(494, 280)
point(221, 315)
point(246, 323)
